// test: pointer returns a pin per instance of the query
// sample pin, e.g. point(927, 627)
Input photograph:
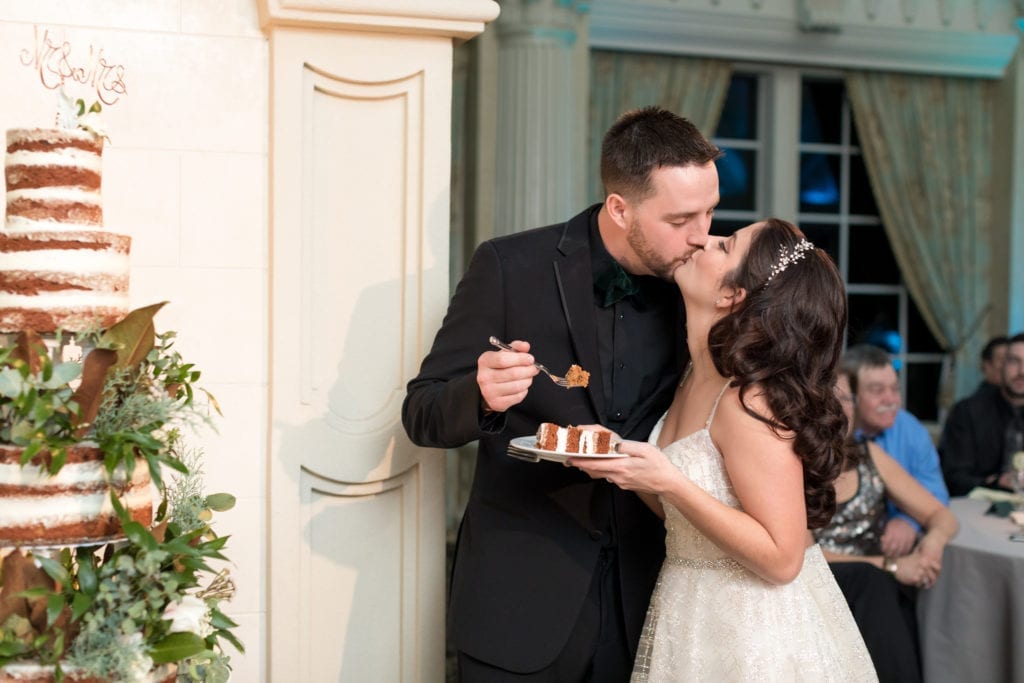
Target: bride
point(741, 465)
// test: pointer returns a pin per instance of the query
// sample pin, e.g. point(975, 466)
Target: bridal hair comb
point(787, 257)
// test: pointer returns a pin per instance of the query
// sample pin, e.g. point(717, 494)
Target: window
point(768, 115)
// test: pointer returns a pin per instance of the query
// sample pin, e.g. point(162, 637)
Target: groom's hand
point(504, 377)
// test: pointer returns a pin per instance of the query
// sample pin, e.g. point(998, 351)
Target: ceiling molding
point(455, 18)
point(670, 29)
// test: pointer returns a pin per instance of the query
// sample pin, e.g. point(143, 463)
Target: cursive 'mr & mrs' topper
point(52, 58)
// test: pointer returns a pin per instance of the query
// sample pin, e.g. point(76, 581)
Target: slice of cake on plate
point(571, 439)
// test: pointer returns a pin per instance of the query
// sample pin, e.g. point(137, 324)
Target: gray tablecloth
point(972, 620)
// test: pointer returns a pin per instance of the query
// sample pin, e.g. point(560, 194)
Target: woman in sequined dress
point(880, 590)
point(741, 465)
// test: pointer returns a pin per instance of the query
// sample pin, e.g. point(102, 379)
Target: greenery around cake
point(115, 610)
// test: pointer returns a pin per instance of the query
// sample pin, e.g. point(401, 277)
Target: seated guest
point(992, 357)
point(879, 417)
point(882, 590)
point(984, 430)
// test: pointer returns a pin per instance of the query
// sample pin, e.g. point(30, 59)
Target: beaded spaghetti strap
point(707, 425)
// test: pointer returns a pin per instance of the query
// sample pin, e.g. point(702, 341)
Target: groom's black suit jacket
point(532, 532)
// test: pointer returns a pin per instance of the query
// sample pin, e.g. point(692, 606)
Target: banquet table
point(971, 621)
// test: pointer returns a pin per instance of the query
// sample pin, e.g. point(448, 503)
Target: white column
point(541, 113)
point(360, 148)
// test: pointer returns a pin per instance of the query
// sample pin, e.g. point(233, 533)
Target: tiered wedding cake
point(59, 267)
point(93, 585)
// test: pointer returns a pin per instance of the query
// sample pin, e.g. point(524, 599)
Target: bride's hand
point(646, 470)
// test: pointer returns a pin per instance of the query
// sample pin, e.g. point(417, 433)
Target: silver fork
point(560, 381)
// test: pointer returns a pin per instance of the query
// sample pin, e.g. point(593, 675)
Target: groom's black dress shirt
point(632, 358)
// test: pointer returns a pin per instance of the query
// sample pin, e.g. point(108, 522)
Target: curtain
point(619, 81)
point(926, 143)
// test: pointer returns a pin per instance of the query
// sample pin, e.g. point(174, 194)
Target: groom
point(553, 571)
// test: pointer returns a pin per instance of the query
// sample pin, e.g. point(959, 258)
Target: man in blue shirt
point(881, 418)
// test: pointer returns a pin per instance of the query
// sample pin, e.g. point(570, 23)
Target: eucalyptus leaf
point(63, 373)
point(12, 384)
point(220, 502)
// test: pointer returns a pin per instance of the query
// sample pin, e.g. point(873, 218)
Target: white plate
point(529, 444)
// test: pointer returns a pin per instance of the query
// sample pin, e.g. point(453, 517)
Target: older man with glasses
point(879, 416)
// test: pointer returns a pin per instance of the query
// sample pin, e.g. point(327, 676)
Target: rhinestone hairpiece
point(787, 257)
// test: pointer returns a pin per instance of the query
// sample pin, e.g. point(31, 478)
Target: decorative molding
point(326, 97)
point(946, 10)
point(637, 27)
point(455, 18)
point(821, 15)
point(545, 21)
point(336, 563)
point(983, 10)
point(909, 8)
point(871, 8)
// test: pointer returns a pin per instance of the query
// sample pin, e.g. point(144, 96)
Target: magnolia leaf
point(175, 647)
point(220, 502)
point(89, 394)
point(20, 574)
point(160, 530)
point(133, 337)
point(28, 347)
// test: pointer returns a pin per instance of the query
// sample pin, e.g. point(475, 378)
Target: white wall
point(185, 174)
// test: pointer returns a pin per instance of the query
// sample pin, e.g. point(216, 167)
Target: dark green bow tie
point(613, 285)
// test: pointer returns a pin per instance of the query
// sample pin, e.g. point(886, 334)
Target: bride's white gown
point(710, 619)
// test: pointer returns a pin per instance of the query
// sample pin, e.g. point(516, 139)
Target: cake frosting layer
point(31, 672)
point(72, 506)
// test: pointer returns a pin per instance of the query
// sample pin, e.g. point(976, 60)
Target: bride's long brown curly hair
point(784, 340)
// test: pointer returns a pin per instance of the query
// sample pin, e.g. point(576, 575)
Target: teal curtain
point(619, 81)
point(926, 143)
